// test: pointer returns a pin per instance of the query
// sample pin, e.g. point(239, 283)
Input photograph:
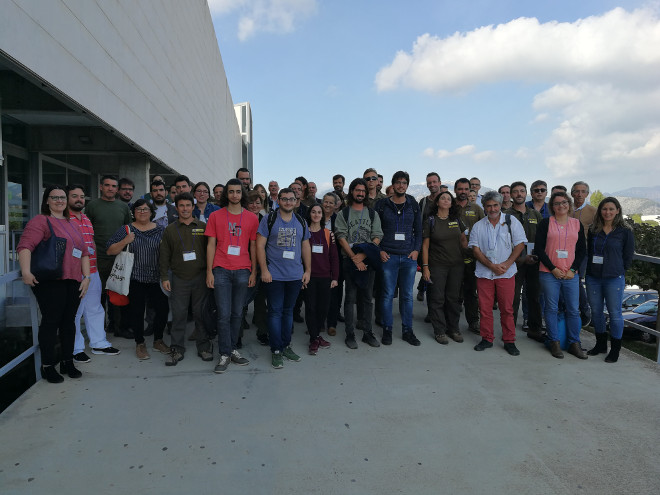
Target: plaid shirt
point(88, 235)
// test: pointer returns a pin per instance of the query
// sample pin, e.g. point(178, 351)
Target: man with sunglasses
point(373, 194)
point(539, 192)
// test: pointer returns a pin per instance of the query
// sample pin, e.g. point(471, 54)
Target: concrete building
point(94, 87)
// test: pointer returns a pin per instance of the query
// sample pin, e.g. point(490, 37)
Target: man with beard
point(285, 258)
point(217, 193)
point(357, 226)
point(338, 182)
point(402, 241)
point(165, 212)
point(528, 264)
point(126, 190)
point(107, 215)
point(433, 184)
point(90, 306)
point(243, 174)
point(469, 214)
point(496, 242)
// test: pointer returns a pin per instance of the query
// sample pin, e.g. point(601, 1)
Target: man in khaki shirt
point(585, 213)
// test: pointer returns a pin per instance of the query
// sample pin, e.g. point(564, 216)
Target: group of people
point(216, 251)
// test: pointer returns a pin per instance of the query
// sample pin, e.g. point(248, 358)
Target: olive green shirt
point(180, 239)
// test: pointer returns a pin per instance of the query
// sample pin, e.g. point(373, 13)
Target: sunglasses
point(369, 179)
point(539, 190)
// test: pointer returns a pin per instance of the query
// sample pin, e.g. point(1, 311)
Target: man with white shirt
point(496, 241)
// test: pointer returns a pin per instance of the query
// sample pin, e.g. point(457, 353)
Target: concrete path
point(433, 419)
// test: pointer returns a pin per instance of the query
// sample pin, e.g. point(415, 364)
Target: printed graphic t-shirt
point(232, 232)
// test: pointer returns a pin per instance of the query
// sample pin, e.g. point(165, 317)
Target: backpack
point(272, 216)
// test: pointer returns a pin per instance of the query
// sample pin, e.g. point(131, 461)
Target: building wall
point(151, 69)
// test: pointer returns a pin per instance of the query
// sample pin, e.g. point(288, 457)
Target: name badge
point(400, 237)
point(317, 249)
point(77, 253)
point(530, 248)
point(289, 255)
point(91, 250)
point(189, 256)
point(490, 253)
point(469, 213)
point(452, 224)
point(562, 254)
point(234, 250)
point(598, 260)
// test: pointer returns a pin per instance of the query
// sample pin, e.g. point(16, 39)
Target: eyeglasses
point(560, 203)
point(369, 179)
point(201, 191)
point(287, 200)
point(539, 190)
point(58, 198)
point(142, 210)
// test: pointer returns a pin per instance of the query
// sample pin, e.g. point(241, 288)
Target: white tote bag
point(119, 280)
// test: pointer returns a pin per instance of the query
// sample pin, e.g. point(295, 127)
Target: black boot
point(613, 356)
point(244, 323)
point(67, 368)
point(601, 345)
point(51, 374)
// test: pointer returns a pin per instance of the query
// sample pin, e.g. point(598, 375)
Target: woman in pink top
point(560, 246)
point(58, 299)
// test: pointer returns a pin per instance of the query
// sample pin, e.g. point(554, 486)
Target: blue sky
point(507, 90)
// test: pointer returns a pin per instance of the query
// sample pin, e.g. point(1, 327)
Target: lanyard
point(232, 233)
point(565, 234)
point(497, 235)
point(403, 216)
point(356, 235)
point(67, 230)
point(602, 249)
point(192, 240)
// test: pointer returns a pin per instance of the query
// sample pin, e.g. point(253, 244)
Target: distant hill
point(652, 193)
point(642, 206)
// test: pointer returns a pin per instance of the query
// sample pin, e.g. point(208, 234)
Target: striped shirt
point(146, 248)
point(88, 236)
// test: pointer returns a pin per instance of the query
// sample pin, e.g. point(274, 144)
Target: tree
point(643, 273)
point(596, 198)
point(636, 217)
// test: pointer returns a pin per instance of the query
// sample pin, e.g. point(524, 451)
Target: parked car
point(645, 314)
point(631, 299)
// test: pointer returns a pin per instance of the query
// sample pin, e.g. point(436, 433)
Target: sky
point(502, 90)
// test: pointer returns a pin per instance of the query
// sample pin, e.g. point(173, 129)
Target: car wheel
point(646, 337)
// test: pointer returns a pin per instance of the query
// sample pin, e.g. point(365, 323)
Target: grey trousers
point(185, 292)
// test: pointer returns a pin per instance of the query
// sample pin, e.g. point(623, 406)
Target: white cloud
point(603, 74)
point(270, 16)
point(617, 45)
point(469, 150)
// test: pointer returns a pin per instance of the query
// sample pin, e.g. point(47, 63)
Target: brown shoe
point(555, 350)
point(455, 336)
point(576, 350)
point(160, 346)
point(141, 351)
point(441, 338)
point(332, 331)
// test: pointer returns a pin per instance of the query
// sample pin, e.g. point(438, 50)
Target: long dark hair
point(45, 209)
point(597, 225)
point(308, 217)
point(453, 209)
point(224, 199)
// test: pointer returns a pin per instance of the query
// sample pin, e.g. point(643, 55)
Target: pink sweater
point(37, 230)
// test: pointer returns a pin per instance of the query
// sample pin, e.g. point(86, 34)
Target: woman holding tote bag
point(51, 240)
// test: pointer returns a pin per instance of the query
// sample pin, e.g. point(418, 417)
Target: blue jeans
point(610, 291)
point(282, 297)
point(231, 287)
point(570, 292)
point(399, 268)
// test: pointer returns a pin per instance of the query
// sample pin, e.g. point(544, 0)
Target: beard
point(77, 207)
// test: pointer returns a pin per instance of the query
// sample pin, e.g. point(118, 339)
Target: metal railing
point(5, 280)
point(637, 326)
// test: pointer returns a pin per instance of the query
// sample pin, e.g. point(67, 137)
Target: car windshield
point(649, 307)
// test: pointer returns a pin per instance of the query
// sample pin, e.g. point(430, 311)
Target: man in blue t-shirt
point(285, 257)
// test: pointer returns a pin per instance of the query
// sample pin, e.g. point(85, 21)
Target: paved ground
point(433, 419)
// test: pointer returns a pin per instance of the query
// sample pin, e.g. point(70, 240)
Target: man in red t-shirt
point(231, 267)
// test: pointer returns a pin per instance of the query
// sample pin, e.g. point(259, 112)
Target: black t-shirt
point(445, 240)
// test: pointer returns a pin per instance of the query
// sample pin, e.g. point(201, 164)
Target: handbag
point(48, 257)
point(119, 280)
